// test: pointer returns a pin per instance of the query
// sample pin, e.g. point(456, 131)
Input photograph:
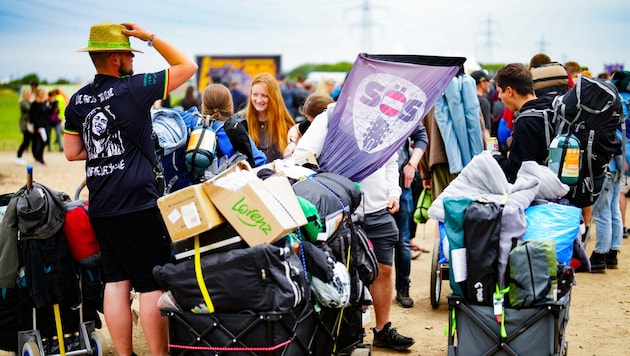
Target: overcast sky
point(42, 36)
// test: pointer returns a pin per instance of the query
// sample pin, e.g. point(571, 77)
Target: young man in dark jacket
point(529, 142)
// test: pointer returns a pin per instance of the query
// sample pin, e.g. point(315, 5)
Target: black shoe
point(598, 262)
point(391, 339)
point(403, 299)
point(626, 232)
point(611, 259)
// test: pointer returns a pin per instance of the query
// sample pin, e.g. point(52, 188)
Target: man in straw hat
point(121, 182)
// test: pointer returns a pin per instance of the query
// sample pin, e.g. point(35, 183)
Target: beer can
point(492, 145)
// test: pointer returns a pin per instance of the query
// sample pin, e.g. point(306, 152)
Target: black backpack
point(591, 112)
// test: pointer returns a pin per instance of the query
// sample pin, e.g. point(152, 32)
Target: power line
point(366, 24)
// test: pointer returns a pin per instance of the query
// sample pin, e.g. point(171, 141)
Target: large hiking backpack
point(588, 113)
point(171, 128)
point(550, 79)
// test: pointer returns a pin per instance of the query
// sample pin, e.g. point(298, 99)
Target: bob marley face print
point(101, 139)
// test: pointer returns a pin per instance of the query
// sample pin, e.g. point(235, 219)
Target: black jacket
point(528, 139)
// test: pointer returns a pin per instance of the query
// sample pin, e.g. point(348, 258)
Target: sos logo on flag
point(385, 108)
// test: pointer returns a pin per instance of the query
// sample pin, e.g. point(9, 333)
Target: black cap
point(480, 76)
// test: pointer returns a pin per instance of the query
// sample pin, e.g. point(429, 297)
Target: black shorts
point(131, 245)
point(381, 229)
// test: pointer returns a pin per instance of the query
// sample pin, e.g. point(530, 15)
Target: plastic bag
point(554, 222)
point(336, 293)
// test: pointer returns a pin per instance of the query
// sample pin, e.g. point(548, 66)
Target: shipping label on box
point(188, 212)
point(261, 211)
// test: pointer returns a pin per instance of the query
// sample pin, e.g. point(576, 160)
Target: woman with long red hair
point(268, 119)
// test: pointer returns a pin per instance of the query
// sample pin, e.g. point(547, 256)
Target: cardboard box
point(304, 158)
point(261, 211)
point(188, 212)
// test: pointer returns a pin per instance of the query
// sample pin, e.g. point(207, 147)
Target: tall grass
point(10, 134)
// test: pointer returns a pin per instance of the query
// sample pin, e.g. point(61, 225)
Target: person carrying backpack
point(529, 139)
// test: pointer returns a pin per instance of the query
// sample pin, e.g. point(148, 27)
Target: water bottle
point(200, 150)
point(571, 166)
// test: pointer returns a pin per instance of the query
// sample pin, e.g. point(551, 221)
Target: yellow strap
point(62, 347)
point(199, 274)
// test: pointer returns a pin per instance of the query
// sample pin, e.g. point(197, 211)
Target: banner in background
point(383, 99)
point(242, 69)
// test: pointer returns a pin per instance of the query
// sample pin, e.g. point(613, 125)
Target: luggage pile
point(50, 287)
point(266, 263)
point(510, 276)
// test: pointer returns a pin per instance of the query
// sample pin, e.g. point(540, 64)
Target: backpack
point(621, 79)
point(171, 128)
point(591, 112)
point(588, 113)
point(533, 273)
point(186, 147)
point(550, 79)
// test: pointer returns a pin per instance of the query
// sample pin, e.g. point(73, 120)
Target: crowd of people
point(41, 115)
point(280, 120)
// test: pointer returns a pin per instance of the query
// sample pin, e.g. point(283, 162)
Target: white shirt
point(377, 188)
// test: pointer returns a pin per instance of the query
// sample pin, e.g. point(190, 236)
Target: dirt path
point(599, 311)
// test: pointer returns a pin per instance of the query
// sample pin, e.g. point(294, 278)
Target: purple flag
point(383, 99)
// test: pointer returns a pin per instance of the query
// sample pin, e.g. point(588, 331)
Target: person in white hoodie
point(381, 193)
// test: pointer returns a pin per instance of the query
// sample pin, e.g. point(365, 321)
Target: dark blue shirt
point(119, 176)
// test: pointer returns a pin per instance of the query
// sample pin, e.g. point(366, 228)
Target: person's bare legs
point(382, 292)
point(154, 325)
point(117, 311)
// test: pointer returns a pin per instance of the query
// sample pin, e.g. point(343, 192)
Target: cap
point(108, 37)
point(480, 76)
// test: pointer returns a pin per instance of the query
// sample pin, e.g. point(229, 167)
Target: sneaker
point(391, 339)
point(611, 259)
point(21, 161)
point(403, 299)
point(626, 232)
point(598, 262)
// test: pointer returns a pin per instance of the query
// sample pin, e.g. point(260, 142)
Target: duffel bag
point(262, 278)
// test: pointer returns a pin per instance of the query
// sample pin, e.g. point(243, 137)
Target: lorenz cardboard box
point(188, 212)
point(261, 211)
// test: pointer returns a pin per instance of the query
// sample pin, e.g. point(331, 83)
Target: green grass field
point(9, 121)
point(10, 134)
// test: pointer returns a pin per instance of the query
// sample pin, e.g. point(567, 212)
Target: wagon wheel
point(30, 348)
point(436, 276)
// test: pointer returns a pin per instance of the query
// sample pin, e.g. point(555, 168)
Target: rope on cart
point(299, 233)
point(348, 256)
point(231, 349)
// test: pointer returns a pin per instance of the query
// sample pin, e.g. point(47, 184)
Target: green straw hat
point(108, 37)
